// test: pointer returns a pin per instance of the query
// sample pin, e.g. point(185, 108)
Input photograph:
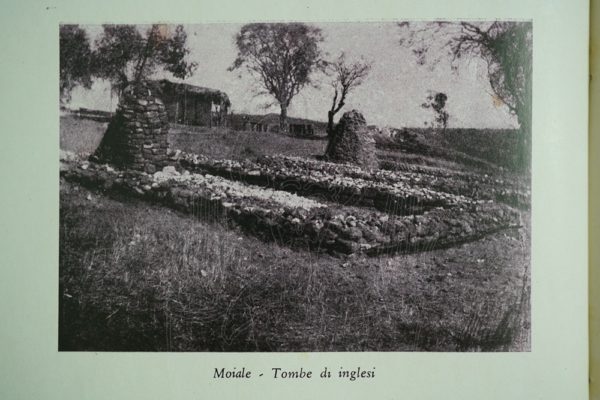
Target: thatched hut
point(193, 105)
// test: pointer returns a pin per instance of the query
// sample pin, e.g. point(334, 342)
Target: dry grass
point(389, 158)
point(80, 135)
point(84, 135)
point(238, 145)
point(139, 277)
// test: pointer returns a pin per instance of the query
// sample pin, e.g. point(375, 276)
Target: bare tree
point(505, 47)
point(281, 56)
point(345, 78)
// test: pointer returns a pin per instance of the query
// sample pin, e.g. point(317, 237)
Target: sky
point(391, 95)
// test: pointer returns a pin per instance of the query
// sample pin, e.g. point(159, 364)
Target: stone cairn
point(352, 142)
point(136, 137)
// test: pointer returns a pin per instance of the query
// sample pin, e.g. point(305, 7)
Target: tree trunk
point(283, 119)
point(330, 115)
point(330, 131)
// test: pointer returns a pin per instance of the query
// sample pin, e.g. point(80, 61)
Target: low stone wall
point(357, 189)
point(296, 221)
point(471, 185)
point(412, 190)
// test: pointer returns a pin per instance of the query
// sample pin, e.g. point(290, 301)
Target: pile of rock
point(353, 142)
point(443, 180)
point(297, 221)
point(339, 183)
point(136, 137)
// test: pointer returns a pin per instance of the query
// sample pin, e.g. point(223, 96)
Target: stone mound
point(136, 137)
point(352, 142)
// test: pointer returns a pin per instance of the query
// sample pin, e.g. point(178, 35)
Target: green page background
point(32, 368)
point(594, 198)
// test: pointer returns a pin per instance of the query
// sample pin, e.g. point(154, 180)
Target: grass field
point(496, 146)
point(239, 144)
point(84, 135)
point(137, 276)
point(80, 135)
point(143, 277)
point(476, 147)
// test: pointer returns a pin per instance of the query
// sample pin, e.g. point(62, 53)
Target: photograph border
point(556, 368)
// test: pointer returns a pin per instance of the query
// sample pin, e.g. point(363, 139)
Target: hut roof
point(167, 87)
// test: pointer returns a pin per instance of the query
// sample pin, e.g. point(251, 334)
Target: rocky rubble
point(226, 189)
point(475, 186)
point(295, 220)
point(345, 184)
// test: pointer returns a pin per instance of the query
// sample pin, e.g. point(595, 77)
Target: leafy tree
point(75, 60)
point(506, 48)
point(281, 56)
point(345, 78)
point(124, 55)
point(437, 103)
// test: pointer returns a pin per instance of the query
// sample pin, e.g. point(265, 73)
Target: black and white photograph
point(296, 186)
